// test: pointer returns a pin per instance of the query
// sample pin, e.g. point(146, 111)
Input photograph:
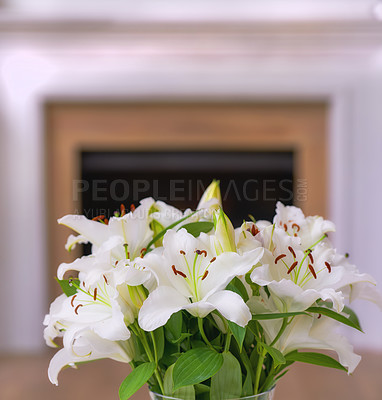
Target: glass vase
point(269, 395)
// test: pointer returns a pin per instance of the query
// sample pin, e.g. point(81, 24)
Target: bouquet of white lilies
point(201, 310)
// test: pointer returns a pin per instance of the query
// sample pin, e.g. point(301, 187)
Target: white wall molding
point(198, 10)
point(341, 68)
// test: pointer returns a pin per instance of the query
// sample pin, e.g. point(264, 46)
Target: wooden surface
point(25, 378)
point(73, 127)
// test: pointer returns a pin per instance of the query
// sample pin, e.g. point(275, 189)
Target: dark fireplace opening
point(251, 182)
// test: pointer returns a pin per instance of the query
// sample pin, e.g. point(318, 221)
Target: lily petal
point(226, 267)
point(95, 232)
point(89, 347)
point(231, 306)
point(159, 306)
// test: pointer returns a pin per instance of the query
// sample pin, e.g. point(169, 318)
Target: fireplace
point(102, 155)
point(251, 182)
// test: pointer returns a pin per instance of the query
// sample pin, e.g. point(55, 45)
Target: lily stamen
point(98, 218)
point(296, 226)
point(328, 266)
point(143, 252)
point(181, 274)
point(177, 272)
point(311, 269)
point(127, 254)
point(292, 251)
point(76, 309)
point(200, 252)
point(254, 230)
point(71, 302)
point(279, 257)
point(293, 266)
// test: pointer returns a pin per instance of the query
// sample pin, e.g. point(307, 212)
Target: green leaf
point(226, 383)
point(238, 333)
point(352, 317)
point(161, 233)
point(259, 317)
point(181, 338)
point(200, 388)
point(237, 286)
point(68, 288)
point(185, 392)
point(173, 327)
point(254, 287)
point(281, 375)
point(315, 358)
point(159, 341)
point(277, 356)
point(170, 354)
point(254, 357)
point(135, 380)
point(247, 386)
point(196, 228)
point(334, 315)
point(195, 366)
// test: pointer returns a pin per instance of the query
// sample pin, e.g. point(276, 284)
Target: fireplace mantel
point(202, 60)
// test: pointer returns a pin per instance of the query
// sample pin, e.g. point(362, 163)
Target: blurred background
point(104, 102)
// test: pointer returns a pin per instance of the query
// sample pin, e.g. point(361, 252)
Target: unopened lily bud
point(156, 227)
point(224, 233)
point(137, 295)
point(211, 198)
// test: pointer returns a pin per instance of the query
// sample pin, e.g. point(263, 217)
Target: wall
point(338, 62)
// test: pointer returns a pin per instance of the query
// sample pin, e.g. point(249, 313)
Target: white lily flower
point(191, 276)
point(72, 242)
point(133, 230)
point(246, 237)
point(103, 265)
point(297, 276)
point(92, 322)
point(166, 215)
point(88, 346)
point(100, 309)
point(304, 332)
point(363, 289)
point(308, 229)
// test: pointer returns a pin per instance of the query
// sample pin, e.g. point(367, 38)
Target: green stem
point(142, 335)
point(155, 347)
point(271, 373)
point(281, 331)
point(151, 358)
point(201, 329)
point(227, 342)
point(246, 362)
point(259, 370)
point(269, 379)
